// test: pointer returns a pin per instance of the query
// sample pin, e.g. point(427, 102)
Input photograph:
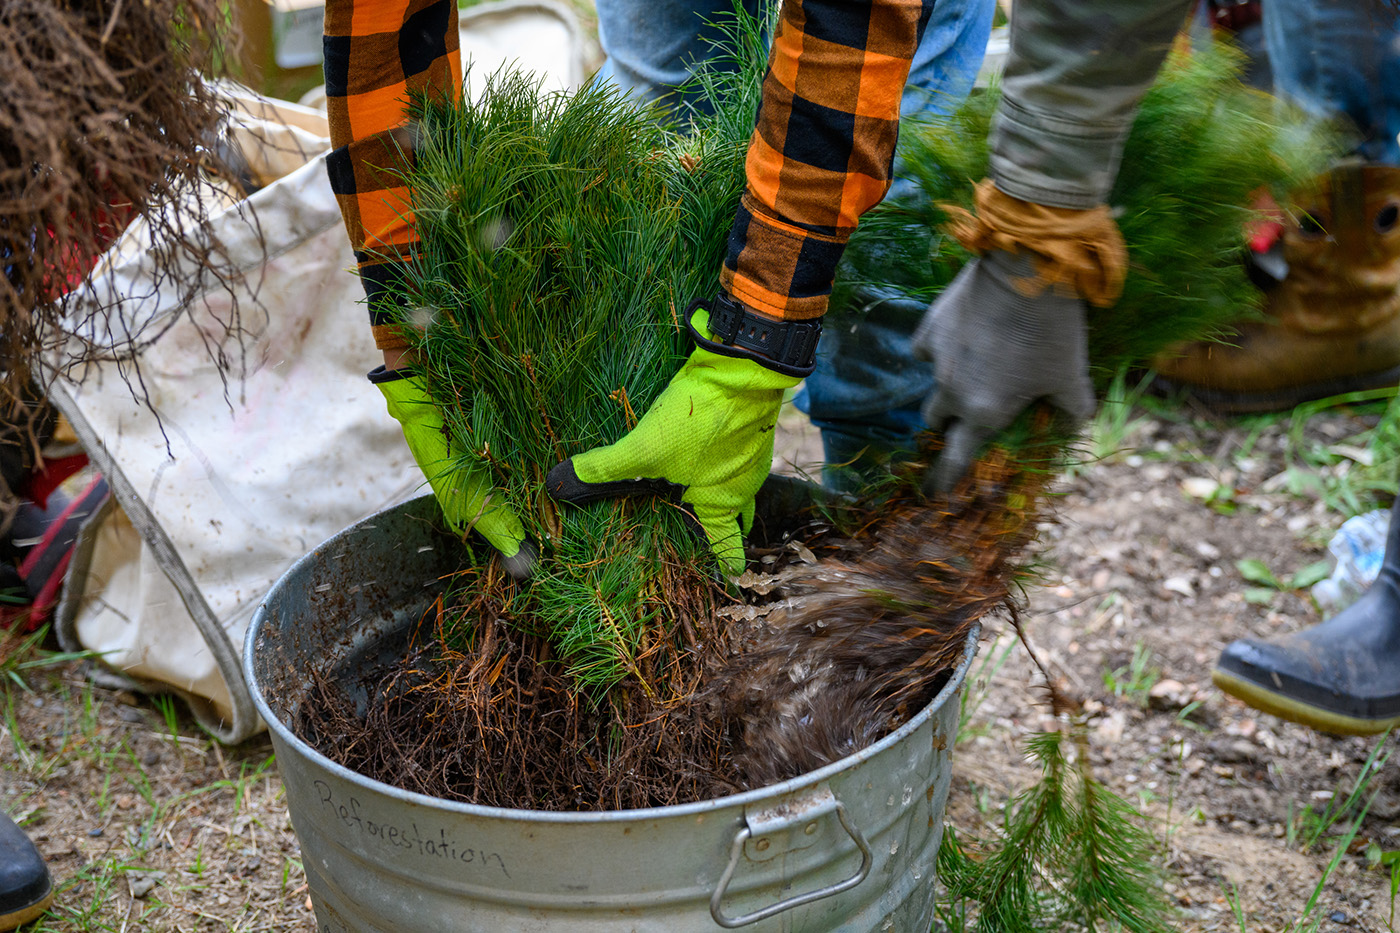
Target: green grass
point(1268, 584)
point(1340, 823)
point(978, 685)
point(24, 654)
point(1308, 825)
point(78, 773)
point(1119, 416)
point(1331, 470)
point(1133, 681)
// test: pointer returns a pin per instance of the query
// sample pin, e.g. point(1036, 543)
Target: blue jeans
point(866, 390)
point(1340, 58)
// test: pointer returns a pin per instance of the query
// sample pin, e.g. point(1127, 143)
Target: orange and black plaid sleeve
point(376, 53)
point(822, 152)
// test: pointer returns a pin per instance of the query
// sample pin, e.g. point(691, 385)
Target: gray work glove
point(995, 351)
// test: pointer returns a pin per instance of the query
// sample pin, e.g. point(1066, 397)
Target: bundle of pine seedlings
point(563, 239)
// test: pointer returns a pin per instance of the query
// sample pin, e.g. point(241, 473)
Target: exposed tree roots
point(830, 653)
point(104, 120)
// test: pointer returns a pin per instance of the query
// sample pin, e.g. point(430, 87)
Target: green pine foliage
point(1201, 145)
point(563, 237)
point(1071, 854)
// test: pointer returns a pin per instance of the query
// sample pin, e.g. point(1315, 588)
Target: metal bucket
point(850, 847)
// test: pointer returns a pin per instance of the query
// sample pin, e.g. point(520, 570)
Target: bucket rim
point(742, 799)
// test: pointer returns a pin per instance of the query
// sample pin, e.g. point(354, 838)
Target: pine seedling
point(1071, 852)
point(562, 239)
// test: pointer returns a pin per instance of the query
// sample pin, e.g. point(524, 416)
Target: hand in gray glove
point(996, 350)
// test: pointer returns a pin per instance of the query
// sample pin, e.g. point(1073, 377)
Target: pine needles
point(1072, 853)
point(561, 236)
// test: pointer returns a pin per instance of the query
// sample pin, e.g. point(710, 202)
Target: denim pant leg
point(945, 65)
point(1340, 58)
point(652, 45)
point(867, 390)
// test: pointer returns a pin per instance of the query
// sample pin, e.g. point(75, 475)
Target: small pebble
point(142, 883)
point(1208, 550)
point(1238, 751)
point(1199, 487)
point(1179, 585)
point(1168, 694)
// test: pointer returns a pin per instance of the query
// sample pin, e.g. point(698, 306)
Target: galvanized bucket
point(850, 847)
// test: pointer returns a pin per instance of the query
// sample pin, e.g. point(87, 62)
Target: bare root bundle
point(863, 640)
point(104, 120)
point(500, 722)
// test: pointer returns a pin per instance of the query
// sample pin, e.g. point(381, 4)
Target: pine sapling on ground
point(1071, 854)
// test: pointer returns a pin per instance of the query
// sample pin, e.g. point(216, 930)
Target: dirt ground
point(149, 825)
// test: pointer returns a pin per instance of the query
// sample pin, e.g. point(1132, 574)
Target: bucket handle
point(826, 802)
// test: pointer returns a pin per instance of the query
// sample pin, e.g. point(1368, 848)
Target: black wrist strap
point(787, 347)
point(380, 375)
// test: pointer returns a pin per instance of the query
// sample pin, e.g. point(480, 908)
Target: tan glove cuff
point(1081, 249)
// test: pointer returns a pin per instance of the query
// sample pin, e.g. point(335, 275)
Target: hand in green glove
point(710, 432)
point(463, 491)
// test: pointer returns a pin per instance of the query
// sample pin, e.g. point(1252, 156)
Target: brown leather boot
point(1333, 323)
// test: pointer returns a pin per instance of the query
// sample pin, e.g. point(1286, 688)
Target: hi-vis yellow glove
point(709, 433)
point(463, 490)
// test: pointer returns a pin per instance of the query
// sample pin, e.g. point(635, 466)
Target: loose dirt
point(149, 829)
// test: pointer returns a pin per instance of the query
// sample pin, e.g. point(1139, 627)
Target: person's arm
point(378, 52)
point(820, 156)
point(1075, 75)
point(1011, 328)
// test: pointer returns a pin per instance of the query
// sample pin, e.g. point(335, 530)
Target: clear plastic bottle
point(1359, 548)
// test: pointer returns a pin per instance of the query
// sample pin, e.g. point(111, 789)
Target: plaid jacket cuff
point(779, 269)
point(822, 151)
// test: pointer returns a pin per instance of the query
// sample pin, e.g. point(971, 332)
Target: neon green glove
point(463, 490)
point(710, 432)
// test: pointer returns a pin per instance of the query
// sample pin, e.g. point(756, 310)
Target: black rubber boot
point(1342, 675)
point(25, 887)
